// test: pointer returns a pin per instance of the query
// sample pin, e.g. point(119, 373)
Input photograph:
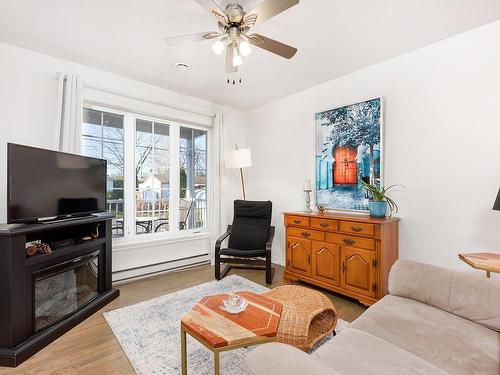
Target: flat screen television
point(50, 185)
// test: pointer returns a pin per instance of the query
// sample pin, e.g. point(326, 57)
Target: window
point(193, 178)
point(102, 137)
point(157, 171)
point(152, 182)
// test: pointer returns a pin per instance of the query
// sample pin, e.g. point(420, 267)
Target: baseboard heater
point(158, 268)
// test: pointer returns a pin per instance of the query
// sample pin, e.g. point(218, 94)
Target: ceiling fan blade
point(272, 45)
point(270, 8)
point(210, 6)
point(221, 18)
point(189, 38)
point(229, 61)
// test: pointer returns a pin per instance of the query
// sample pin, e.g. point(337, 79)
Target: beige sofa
point(434, 321)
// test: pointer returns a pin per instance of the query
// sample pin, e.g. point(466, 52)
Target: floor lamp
point(239, 158)
point(496, 205)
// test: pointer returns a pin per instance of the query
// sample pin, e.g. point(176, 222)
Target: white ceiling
point(334, 37)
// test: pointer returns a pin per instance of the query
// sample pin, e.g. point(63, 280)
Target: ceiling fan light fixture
point(244, 48)
point(218, 47)
point(237, 60)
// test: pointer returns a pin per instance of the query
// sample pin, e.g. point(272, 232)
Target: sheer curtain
point(69, 107)
point(217, 211)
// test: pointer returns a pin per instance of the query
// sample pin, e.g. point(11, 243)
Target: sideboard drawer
point(357, 228)
point(324, 224)
point(345, 240)
point(306, 233)
point(297, 220)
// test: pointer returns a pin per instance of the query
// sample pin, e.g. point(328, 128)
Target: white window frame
point(129, 135)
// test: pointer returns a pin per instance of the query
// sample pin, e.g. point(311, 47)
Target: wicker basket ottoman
point(307, 317)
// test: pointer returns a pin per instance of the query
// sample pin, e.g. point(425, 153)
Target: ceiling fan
point(234, 26)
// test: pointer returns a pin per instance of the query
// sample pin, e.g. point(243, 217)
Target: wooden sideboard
point(345, 253)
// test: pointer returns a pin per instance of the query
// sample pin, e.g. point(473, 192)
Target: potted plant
point(379, 201)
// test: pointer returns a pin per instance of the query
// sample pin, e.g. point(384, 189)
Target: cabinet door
point(298, 255)
point(326, 262)
point(358, 271)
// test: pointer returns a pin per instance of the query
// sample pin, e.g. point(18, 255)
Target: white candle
point(307, 184)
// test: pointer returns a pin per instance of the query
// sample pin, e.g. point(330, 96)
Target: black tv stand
point(22, 331)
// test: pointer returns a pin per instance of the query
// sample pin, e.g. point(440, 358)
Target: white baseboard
point(278, 260)
point(137, 273)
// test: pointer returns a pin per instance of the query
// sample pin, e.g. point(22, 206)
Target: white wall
point(442, 141)
point(27, 107)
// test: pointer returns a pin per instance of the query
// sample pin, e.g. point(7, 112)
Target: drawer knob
point(324, 225)
point(306, 234)
point(348, 241)
point(297, 221)
point(357, 229)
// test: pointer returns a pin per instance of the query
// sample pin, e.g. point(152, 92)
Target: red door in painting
point(345, 171)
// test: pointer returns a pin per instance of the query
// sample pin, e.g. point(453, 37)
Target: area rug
point(149, 334)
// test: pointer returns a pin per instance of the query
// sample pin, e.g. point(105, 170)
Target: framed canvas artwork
point(348, 150)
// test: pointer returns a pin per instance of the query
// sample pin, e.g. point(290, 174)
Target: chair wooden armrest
point(221, 239)
point(270, 237)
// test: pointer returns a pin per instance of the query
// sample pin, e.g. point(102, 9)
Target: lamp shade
point(240, 158)
point(496, 205)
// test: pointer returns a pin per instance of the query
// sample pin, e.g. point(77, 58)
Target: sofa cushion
point(476, 299)
point(421, 282)
point(357, 352)
point(282, 359)
point(471, 296)
point(450, 342)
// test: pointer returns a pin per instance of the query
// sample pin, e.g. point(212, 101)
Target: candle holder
point(308, 200)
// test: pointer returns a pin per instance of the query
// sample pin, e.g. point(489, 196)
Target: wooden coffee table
point(220, 331)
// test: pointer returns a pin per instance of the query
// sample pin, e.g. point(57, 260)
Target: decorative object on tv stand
point(238, 158)
point(37, 248)
point(348, 151)
point(496, 205)
point(379, 201)
point(92, 236)
point(307, 191)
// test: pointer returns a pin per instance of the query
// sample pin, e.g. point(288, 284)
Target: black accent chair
point(250, 236)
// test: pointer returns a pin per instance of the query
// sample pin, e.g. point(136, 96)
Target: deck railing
point(191, 215)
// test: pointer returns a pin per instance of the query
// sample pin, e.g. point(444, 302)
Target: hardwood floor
point(91, 348)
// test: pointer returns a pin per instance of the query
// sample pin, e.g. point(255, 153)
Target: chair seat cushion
point(452, 343)
point(243, 253)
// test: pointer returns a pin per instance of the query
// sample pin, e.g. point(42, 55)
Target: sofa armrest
point(281, 359)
